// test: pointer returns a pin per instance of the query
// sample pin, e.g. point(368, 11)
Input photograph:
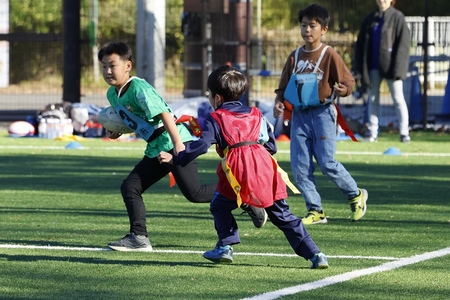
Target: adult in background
point(382, 52)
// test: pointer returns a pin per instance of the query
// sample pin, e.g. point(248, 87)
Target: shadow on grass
point(102, 261)
point(394, 184)
point(386, 183)
point(112, 213)
point(93, 174)
point(144, 262)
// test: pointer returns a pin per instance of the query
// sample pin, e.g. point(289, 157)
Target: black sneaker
point(131, 242)
point(258, 215)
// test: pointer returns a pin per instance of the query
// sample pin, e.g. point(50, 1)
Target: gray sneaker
point(220, 254)
point(319, 261)
point(258, 215)
point(131, 242)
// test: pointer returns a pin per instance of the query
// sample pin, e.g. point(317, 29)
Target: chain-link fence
point(257, 33)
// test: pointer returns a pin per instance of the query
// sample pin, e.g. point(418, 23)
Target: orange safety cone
point(283, 138)
point(172, 181)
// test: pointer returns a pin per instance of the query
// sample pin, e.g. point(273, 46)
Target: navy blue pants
point(279, 214)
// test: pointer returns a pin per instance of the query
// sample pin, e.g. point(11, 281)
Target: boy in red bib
point(143, 103)
point(248, 173)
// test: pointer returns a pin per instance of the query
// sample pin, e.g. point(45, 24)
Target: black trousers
point(149, 171)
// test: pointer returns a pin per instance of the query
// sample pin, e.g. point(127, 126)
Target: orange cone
point(283, 138)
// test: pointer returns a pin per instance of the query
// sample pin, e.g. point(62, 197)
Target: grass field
point(60, 207)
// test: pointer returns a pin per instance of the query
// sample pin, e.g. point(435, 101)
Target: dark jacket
point(394, 46)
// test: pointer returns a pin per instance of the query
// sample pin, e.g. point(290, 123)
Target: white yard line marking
point(403, 154)
point(351, 275)
point(394, 264)
point(16, 246)
point(63, 147)
point(381, 153)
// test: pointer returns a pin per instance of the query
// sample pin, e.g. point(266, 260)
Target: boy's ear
point(219, 99)
point(324, 30)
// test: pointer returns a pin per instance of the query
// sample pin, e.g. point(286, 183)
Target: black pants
point(149, 171)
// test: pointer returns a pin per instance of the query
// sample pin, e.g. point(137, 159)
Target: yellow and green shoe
point(314, 217)
point(358, 205)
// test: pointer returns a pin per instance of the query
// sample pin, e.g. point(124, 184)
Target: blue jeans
point(313, 134)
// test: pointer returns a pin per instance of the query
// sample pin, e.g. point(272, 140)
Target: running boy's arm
point(193, 149)
point(210, 136)
point(270, 145)
point(165, 157)
point(282, 84)
point(172, 129)
point(340, 76)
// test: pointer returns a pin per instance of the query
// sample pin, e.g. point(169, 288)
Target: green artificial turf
point(59, 207)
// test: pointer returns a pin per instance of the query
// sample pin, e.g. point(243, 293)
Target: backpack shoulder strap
point(320, 58)
point(296, 59)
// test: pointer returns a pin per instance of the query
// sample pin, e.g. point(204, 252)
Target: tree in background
point(41, 21)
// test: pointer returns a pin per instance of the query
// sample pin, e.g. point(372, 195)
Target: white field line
point(395, 263)
point(351, 275)
point(380, 153)
point(115, 148)
point(17, 246)
point(82, 148)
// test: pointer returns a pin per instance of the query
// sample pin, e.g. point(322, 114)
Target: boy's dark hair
point(315, 12)
point(228, 82)
point(119, 48)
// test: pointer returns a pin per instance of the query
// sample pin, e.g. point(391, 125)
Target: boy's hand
point(113, 134)
point(278, 109)
point(165, 157)
point(220, 151)
point(340, 90)
point(177, 148)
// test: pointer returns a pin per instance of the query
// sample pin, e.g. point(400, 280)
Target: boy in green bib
point(140, 99)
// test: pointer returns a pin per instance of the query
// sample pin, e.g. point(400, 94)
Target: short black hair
point(315, 12)
point(119, 48)
point(228, 82)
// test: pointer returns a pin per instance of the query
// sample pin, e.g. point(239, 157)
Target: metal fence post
point(72, 48)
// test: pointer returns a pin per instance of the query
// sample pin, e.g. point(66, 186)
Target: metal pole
point(425, 67)
point(93, 29)
point(151, 42)
point(259, 49)
point(72, 56)
point(204, 47)
point(248, 31)
point(4, 45)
